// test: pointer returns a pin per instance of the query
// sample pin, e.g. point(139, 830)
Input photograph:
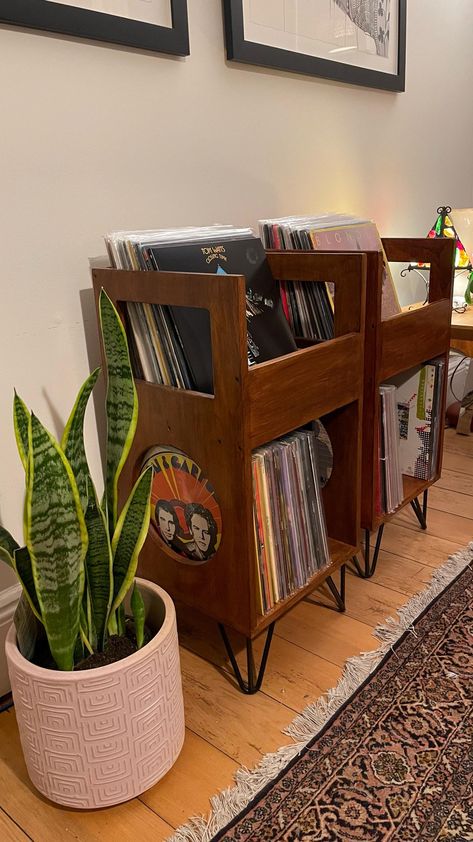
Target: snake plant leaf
point(78, 650)
point(99, 567)
point(121, 403)
point(130, 535)
point(26, 626)
point(83, 631)
point(121, 620)
point(72, 442)
point(7, 546)
point(22, 567)
point(56, 537)
point(21, 419)
point(138, 610)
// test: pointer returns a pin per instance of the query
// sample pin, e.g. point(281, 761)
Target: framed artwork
point(158, 25)
point(362, 42)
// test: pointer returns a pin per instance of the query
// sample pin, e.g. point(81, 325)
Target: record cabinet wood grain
point(250, 407)
point(395, 345)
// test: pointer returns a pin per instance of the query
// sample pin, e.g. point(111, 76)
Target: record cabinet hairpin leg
point(254, 682)
point(369, 564)
point(338, 595)
point(421, 511)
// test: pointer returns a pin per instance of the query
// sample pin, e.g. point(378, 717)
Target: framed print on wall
point(157, 25)
point(362, 42)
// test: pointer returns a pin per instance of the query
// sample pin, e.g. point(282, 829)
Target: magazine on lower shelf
point(411, 419)
point(173, 343)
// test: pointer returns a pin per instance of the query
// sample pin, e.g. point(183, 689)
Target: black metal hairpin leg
point(254, 682)
point(338, 595)
point(369, 568)
point(421, 511)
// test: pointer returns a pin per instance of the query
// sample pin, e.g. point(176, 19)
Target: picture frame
point(271, 33)
point(78, 20)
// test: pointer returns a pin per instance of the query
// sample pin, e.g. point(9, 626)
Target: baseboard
point(8, 602)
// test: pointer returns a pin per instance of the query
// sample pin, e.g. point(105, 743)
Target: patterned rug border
point(316, 717)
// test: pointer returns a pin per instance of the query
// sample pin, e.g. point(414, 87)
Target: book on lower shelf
point(410, 424)
point(289, 520)
point(171, 344)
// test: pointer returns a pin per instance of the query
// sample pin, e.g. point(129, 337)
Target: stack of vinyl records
point(328, 232)
point(171, 345)
point(289, 519)
point(411, 420)
point(308, 305)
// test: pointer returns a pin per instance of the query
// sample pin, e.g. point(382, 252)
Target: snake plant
point(80, 555)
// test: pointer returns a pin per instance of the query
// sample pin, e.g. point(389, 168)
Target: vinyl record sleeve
point(269, 335)
point(186, 515)
point(324, 453)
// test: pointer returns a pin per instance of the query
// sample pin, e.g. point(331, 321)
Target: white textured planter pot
point(98, 737)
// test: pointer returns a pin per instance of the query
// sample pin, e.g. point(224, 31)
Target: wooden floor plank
point(417, 545)
point(457, 462)
point(201, 770)
point(370, 602)
point(446, 500)
point(330, 635)
point(440, 524)
point(293, 676)
point(9, 831)
point(454, 443)
point(455, 481)
point(46, 822)
point(243, 727)
point(401, 574)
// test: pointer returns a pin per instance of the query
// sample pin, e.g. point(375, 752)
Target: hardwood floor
point(226, 729)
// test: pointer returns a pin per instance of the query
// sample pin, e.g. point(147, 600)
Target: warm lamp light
point(462, 219)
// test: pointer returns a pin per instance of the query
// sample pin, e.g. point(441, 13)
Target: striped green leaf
point(138, 610)
point(121, 619)
point(84, 631)
point(72, 442)
point(57, 541)
point(130, 535)
point(121, 404)
point(23, 569)
point(7, 546)
point(26, 626)
point(78, 650)
point(98, 565)
point(21, 419)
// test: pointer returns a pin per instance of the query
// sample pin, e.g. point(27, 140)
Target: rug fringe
point(227, 804)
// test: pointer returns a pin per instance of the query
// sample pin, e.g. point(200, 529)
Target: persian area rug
point(388, 754)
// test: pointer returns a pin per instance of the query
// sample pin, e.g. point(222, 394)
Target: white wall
point(96, 137)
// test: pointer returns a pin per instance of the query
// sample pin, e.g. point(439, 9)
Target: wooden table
point(462, 331)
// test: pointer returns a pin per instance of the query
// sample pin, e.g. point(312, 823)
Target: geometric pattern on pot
point(106, 735)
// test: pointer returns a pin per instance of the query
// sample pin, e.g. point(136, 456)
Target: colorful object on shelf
point(463, 220)
point(444, 227)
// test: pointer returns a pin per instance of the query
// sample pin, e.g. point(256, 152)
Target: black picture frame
point(98, 26)
point(250, 52)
